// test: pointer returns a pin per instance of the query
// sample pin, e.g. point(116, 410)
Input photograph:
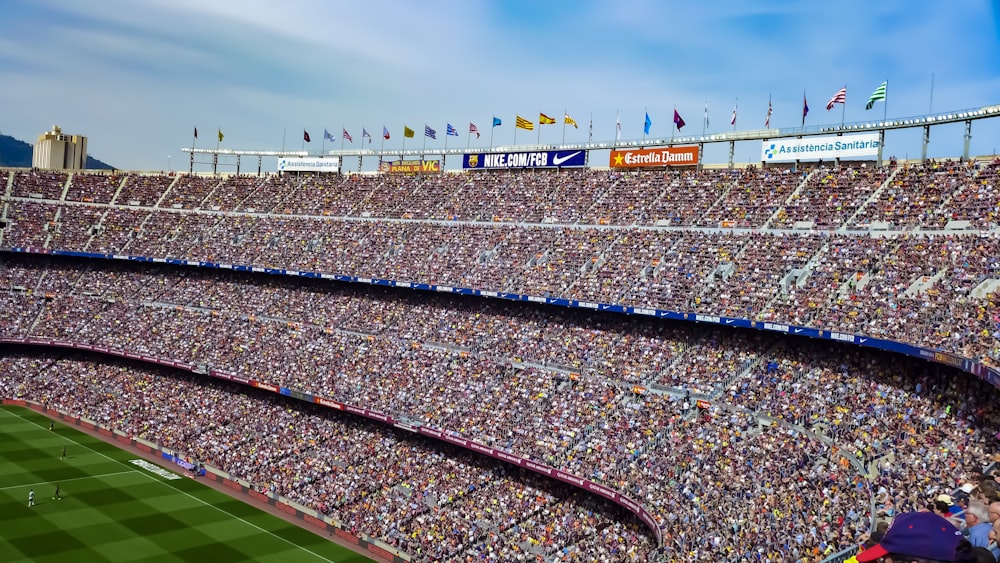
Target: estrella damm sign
point(648, 158)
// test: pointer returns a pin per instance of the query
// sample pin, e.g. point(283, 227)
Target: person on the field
point(31, 497)
point(56, 495)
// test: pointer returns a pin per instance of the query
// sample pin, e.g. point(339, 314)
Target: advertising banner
point(820, 148)
point(409, 166)
point(532, 159)
point(661, 156)
point(309, 164)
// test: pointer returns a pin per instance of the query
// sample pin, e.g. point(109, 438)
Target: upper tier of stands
point(926, 196)
point(584, 235)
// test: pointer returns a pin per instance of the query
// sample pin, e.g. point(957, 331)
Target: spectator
point(920, 537)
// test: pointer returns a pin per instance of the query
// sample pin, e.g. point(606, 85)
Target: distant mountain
point(17, 154)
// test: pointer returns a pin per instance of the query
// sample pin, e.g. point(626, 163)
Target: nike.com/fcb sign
point(538, 159)
point(817, 148)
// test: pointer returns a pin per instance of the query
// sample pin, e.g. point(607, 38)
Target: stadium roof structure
point(966, 116)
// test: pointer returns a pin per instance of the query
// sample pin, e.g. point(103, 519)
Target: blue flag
point(649, 123)
point(451, 131)
point(496, 121)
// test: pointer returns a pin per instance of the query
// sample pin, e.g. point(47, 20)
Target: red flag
point(305, 136)
point(839, 98)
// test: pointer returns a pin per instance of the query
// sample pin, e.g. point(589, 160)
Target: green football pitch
point(112, 510)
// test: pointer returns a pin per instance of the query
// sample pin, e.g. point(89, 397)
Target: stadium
point(661, 361)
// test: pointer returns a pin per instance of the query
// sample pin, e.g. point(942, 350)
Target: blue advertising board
point(528, 159)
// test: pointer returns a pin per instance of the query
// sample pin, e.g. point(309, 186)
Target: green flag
point(878, 94)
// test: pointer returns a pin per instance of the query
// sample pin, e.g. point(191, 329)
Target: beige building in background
point(56, 150)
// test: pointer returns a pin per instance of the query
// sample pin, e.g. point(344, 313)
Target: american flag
point(348, 136)
point(451, 131)
point(839, 98)
point(428, 132)
point(474, 129)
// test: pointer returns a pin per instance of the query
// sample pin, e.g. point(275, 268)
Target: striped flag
point(474, 129)
point(878, 94)
point(523, 123)
point(839, 98)
point(451, 131)
point(770, 110)
point(545, 120)
point(428, 132)
point(347, 136)
point(570, 121)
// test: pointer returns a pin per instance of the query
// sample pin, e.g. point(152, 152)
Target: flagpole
point(515, 130)
point(322, 148)
point(194, 138)
point(284, 133)
point(565, 113)
point(843, 110)
point(673, 126)
point(885, 101)
point(803, 109)
point(493, 128)
point(645, 112)
point(618, 126)
point(538, 138)
point(704, 122)
point(361, 156)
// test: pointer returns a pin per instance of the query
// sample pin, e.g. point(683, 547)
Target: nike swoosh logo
point(557, 160)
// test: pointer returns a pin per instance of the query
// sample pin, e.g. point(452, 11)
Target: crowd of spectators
point(605, 397)
point(570, 389)
point(40, 184)
point(917, 287)
point(435, 502)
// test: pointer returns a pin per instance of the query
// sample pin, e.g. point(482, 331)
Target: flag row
point(839, 97)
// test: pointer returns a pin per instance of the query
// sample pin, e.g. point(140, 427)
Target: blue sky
point(137, 77)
